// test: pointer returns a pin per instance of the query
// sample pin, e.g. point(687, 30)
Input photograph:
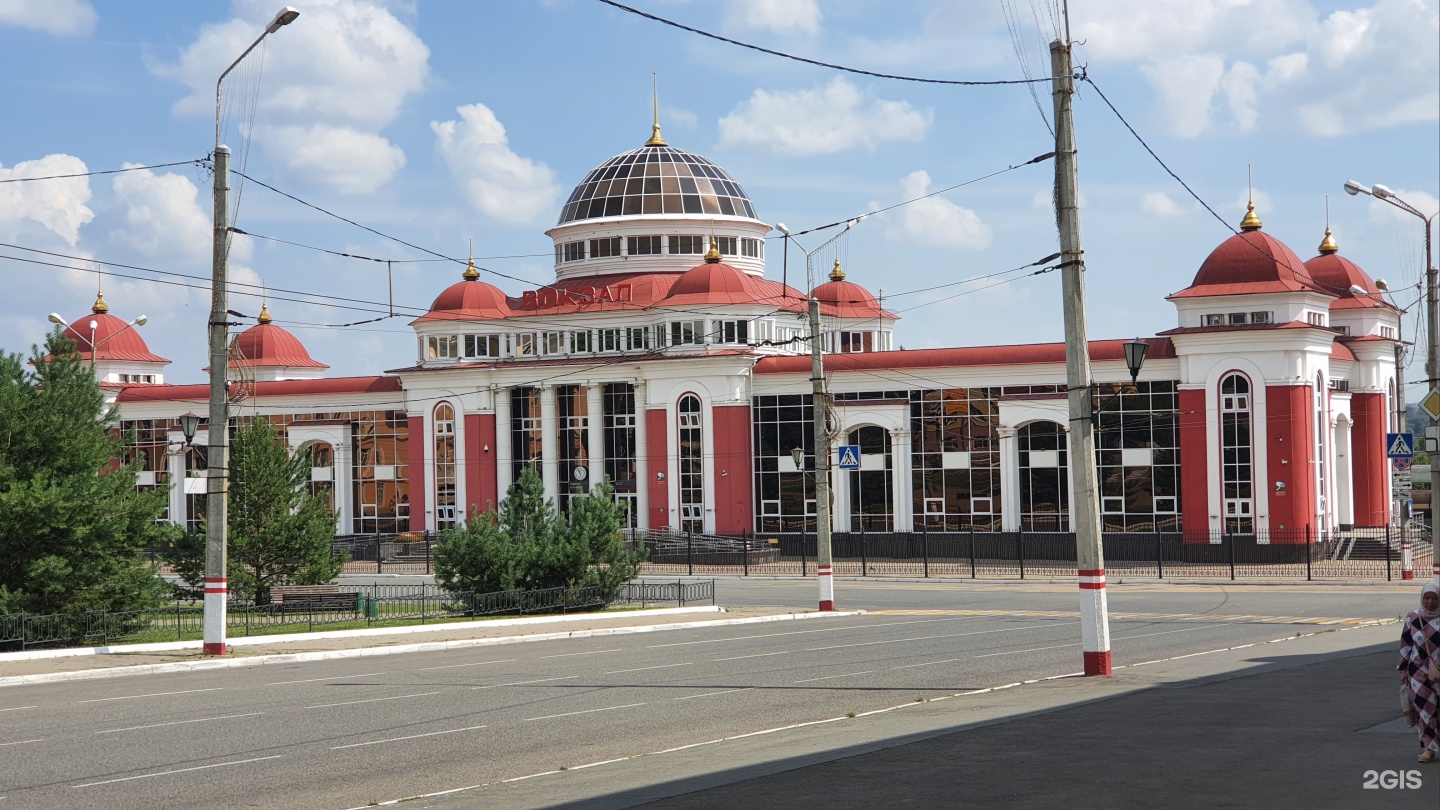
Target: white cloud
point(1159, 204)
point(822, 120)
point(780, 16)
point(332, 79)
point(57, 205)
point(498, 182)
point(59, 17)
point(936, 221)
point(341, 158)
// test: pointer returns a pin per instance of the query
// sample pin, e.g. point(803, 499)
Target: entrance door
point(872, 486)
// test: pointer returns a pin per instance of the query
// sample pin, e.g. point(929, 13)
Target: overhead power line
point(783, 55)
point(106, 171)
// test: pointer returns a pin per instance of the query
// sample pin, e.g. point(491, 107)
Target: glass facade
point(656, 180)
point(148, 441)
point(872, 486)
point(524, 431)
point(443, 461)
point(1137, 445)
point(1237, 474)
point(1044, 477)
point(572, 409)
point(784, 494)
point(620, 447)
point(692, 464)
point(955, 459)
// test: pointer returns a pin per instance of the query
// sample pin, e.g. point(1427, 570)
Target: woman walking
point(1420, 669)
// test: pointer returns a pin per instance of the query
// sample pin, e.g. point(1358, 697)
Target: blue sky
point(443, 122)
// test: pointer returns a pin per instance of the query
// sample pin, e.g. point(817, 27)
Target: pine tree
point(72, 523)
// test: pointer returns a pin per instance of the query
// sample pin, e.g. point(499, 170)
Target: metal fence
point(1378, 553)
point(374, 606)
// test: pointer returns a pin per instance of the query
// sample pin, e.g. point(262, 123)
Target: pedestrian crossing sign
point(1399, 445)
point(849, 457)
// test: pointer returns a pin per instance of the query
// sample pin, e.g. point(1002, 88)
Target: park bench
point(313, 597)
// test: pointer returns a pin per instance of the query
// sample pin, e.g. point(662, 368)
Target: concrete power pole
point(823, 563)
point(216, 506)
point(1084, 511)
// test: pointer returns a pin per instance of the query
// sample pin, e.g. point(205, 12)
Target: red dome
point(467, 299)
point(267, 345)
point(846, 299)
point(1250, 262)
point(1336, 274)
point(718, 283)
point(116, 339)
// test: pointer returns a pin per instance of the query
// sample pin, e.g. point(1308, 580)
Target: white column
point(1070, 482)
point(642, 459)
point(175, 472)
point(342, 486)
point(503, 454)
point(1009, 479)
point(549, 442)
point(595, 428)
point(846, 509)
point(902, 481)
point(1344, 481)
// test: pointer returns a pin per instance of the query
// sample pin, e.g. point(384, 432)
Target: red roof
point(267, 345)
point(1245, 327)
point(468, 299)
point(277, 388)
point(846, 299)
point(1337, 274)
point(1250, 262)
point(116, 339)
point(1100, 350)
point(1339, 351)
point(716, 283)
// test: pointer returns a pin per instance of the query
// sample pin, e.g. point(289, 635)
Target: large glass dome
point(656, 180)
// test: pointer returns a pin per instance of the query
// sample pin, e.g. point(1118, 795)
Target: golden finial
point(712, 256)
point(1328, 246)
point(836, 274)
point(471, 274)
point(264, 314)
point(1251, 222)
point(655, 139)
point(100, 307)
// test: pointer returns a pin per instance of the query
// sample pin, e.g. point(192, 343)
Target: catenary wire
point(105, 171)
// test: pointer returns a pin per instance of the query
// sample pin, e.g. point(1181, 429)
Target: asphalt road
point(345, 733)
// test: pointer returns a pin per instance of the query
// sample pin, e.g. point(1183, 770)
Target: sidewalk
point(359, 643)
point(1291, 724)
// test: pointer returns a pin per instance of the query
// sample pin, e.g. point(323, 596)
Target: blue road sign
point(849, 456)
point(1399, 445)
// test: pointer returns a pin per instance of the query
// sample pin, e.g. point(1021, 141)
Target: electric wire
point(200, 162)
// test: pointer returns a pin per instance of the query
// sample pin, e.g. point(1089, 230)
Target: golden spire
point(1328, 246)
point(655, 139)
point(1251, 222)
point(712, 256)
point(836, 274)
point(471, 274)
point(264, 314)
point(100, 307)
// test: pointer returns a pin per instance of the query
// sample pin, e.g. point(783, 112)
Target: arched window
point(444, 466)
point(692, 465)
point(1044, 478)
point(1237, 466)
point(322, 472)
point(1322, 448)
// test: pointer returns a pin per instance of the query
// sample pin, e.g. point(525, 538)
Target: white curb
point(285, 638)
point(394, 649)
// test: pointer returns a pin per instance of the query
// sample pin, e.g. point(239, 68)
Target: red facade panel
point(1194, 461)
point(480, 477)
point(734, 511)
point(1289, 421)
point(419, 489)
point(659, 456)
point(1367, 458)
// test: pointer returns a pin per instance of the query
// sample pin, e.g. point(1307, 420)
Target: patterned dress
point(1419, 640)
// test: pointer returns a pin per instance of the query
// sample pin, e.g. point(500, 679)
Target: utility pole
point(823, 563)
point(217, 489)
point(1084, 511)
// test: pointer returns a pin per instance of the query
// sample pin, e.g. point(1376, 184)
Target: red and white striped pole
point(827, 586)
point(1407, 560)
point(1094, 624)
point(216, 594)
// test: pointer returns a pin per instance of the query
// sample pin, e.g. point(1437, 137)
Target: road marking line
point(411, 737)
point(829, 677)
point(708, 694)
point(181, 770)
point(523, 683)
point(1168, 632)
point(371, 700)
point(179, 723)
point(476, 664)
point(756, 655)
point(800, 632)
point(153, 694)
point(335, 678)
point(22, 742)
point(567, 655)
point(642, 669)
point(1032, 649)
point(18, 708)
point(946, 635)
point(929, 663)
point(587, 711)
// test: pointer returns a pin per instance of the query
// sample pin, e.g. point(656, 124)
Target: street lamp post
point(824, 564)
point(1432, 315)
point(216, 508)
